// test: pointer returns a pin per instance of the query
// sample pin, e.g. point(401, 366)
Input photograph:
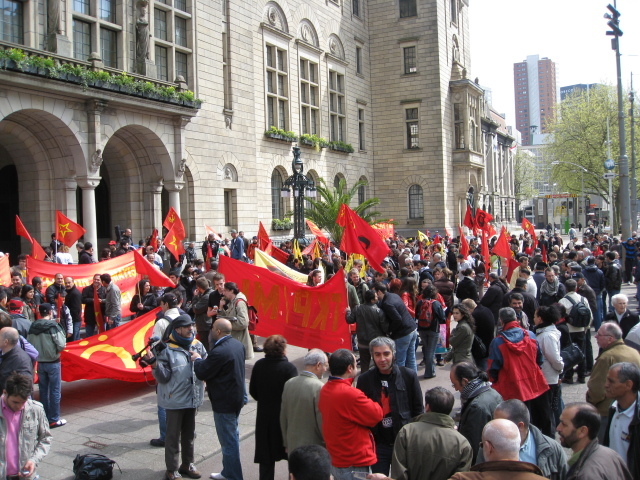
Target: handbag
point(571, 356)
point(93, 466)
point(478, 348)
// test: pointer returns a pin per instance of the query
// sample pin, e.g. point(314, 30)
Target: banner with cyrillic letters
point(308, 317)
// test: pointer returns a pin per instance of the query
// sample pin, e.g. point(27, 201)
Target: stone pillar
point(174, 187)
point(155, 212)
point(88, 186)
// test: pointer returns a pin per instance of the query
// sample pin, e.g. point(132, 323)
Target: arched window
point(277, 202)
point(416, 203)
point(362, 191)
point(336, 181)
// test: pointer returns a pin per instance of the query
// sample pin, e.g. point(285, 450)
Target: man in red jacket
point(347, 416)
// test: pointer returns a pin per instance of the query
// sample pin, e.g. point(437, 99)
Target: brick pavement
point(118, 419)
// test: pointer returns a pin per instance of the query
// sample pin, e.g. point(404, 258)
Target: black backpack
point(579, 315)
point(93, 466)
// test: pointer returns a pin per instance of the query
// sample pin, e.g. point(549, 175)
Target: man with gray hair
point(514, 368)
point(397, 390)
point(12, 357)
point(621, 314)
point(535, 447)
point(623, 428)
point(300, 419)
point(501, 445)
point(612, 351)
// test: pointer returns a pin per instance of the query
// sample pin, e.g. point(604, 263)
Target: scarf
point(550, 288)
point(184, 342)
point(473, 389)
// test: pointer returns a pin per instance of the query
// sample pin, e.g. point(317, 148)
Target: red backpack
point(425, 313)
point(253, 315)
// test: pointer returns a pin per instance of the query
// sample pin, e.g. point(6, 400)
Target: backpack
point(425, 313)
point(253, 315)
point(93, 466)
point(478, 348)
point(579, 315)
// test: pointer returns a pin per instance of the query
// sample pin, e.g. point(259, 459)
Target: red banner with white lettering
point(125, 270)
point(308, 317)
point(108, 354)
point(5, 271)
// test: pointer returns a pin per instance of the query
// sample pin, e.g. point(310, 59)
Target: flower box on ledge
point(281, 135)
point(313, 141)
point(281, 224)
point(342, 147)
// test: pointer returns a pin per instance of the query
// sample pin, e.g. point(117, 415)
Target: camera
point(146, 358)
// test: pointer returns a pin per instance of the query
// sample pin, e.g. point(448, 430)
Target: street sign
point(562, 195)
point(609, 164)
point(609, 176)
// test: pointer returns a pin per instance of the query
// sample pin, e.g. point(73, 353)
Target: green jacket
point(48, 338)
point(430, 448)
point(461, 340)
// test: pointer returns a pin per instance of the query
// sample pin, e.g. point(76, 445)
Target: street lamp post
point(634, 185)
point(300, 184)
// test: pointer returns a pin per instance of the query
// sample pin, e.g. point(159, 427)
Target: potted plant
point(278, 224)
point(313, 141)
point(339, 146)
point(14, 59)
point(74, 73)
point(279, 134)
point(39, 65)
point(98, 78)
point(124, 82)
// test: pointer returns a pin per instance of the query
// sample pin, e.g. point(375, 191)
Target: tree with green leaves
point(525, 176)
point(323, 210)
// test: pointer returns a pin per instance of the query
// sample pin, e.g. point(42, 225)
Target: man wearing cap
point(18, 320)
point(180, 393)
point(48, 337)
point(236, 246)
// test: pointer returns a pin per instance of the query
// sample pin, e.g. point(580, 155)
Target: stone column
point(174, 187)
point(88, 186)
point(155, 195)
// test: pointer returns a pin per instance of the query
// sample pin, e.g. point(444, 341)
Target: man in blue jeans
point(223, 372)
point(49, 338)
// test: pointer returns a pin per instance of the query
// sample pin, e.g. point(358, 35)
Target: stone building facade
point(390, 78)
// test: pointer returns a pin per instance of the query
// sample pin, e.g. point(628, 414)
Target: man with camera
point(180, 393)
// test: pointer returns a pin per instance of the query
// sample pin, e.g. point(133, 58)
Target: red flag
point(527, 226)
point(172, 221)
point(318, 233)
point(309, 249)
point(208, 230)
point(36, 249)
point(263, 238)
point(67, 231)
point(277, 253)
point(490, 231)
point(156, 277)
point(59, 304)
point(513, 264)
point(469, 221)
point(5, 271)
point(420, 250)
point(153, 240)
point(360, 237)
point(97, 310)
point(544, 253)
point(501, 247)
point(173, 242)
point(207, 261)
point(482, 219)
point(464, 245)
point(484, 249)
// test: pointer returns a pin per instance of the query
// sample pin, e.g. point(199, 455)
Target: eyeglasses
point(603, 335)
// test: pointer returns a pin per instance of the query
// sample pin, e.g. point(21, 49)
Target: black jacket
point(529, 305)
point(627, 322)
point(85, 258)
point(87, 299)
point(149, 302)
point(485, 324)
point(20, 323)
point(52, 290)
point(401, 323)
point(548, 300)
point(594, 277)
point(266, 386)
point(223, 372)
point(15, 360)
point(73, 301)
point(405, 395)
point(633, 454)
point(467, 288)
point(492, 298)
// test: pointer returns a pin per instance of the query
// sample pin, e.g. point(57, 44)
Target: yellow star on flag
point(66, 228)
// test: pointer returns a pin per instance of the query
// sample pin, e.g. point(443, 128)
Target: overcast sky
point(569, 32)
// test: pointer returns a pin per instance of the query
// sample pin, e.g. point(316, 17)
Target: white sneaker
point(217, 476)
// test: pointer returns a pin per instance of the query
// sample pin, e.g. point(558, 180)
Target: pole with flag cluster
point(175, 235)
point(360, 237)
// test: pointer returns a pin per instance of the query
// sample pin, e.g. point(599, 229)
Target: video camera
point(147, 356)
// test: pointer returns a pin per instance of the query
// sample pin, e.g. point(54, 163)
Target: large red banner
point(308, 317)
point(5, 271)
point(108, 354)
point(125, 271)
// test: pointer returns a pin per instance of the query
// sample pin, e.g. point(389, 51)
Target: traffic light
point(614, 21)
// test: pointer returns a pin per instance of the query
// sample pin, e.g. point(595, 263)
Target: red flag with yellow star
point(173, 242)
point(172, 221)
point(67, 231)
point(36, 249)
point(527, 226)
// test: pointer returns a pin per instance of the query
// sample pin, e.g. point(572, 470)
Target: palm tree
point(323, 210)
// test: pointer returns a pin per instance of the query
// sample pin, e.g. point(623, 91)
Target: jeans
point(384, 453)
point(181, 426)
point(89, 330)
point(229, 437)
point(588, 351)
point(76, 331)
point(49, 386)
point(429, 342)
point(599, 316)
point(116, 322)
point(162, 422)
point(345, 473)
point(406, 351)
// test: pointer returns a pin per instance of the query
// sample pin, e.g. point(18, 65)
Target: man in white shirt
point(623, 428)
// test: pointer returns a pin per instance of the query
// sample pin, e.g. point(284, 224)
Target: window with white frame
point(309, 97)
point(277, 81)
point(173, 48)
point(337, 114)
point(416, 202)
point(412, 127)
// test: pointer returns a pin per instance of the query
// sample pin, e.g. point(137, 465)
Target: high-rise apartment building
point(534, 82)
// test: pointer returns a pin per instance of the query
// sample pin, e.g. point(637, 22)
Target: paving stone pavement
point(118, 419)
